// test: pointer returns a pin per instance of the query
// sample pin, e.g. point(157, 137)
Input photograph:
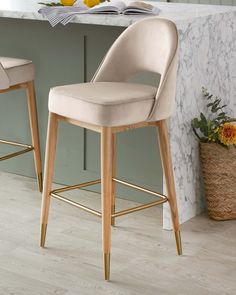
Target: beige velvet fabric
point(103, 103)
point(148, 45)
point(15, 71)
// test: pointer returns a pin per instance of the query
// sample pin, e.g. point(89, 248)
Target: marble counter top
point(28, 9)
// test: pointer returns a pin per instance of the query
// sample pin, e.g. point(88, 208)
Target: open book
point(65, 14)
point(119, 7)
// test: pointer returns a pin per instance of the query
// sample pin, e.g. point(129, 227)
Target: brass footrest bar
point(138, 208)
point(77, 186)
point(75, 204)
point(55, 192)
point(27, 149)
point(140, 188)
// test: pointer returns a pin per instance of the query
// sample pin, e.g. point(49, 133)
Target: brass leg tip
point(40, 182)
point(43, 235)
point(107, 266)
point(178, 242)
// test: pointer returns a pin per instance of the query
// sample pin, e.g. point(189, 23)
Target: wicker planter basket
point(219, 174)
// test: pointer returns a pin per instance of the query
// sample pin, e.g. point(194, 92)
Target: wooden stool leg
point(165, 151)
point(113, 196)
point(48, 173)
point(106, 189)
point(33, 117)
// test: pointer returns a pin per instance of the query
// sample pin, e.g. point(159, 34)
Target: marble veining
point(207, 58)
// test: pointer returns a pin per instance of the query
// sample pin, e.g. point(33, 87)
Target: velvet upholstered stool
point(108, 105)
point(18, 74)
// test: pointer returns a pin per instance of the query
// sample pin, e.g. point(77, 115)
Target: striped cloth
point(62, 14)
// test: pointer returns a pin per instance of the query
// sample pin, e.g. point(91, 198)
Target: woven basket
point(219, 174)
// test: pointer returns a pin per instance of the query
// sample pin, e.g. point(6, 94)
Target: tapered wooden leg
point(33, 117)
point(113, 194)
point(48, 173)
point(106, 189)
point(165, 151)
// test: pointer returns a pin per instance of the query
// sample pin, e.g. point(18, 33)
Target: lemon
point(67, 2)
point(91, 3)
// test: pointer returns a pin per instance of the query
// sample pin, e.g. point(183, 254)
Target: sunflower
point(227, 134)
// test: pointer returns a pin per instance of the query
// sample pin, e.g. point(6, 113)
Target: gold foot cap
point(40, 181)
point(107, 266)
point(178, 242)
point(43, 235)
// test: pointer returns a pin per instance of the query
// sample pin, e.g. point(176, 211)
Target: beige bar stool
point(19, 74)
point(108, 105)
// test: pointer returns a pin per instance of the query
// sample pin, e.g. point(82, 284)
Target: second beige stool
point(18, 74)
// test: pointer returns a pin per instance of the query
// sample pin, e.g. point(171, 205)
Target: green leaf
point(195, 132)
point(204, 130)
point(222, 114)
point(195, 123)
point(209, 96)
point(203, 118)
point(217, 102)
point(210, 104)
point(215, 108)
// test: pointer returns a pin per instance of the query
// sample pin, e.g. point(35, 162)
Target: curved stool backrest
point(149, 45)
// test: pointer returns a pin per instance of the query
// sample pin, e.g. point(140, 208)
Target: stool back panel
point(149, 45)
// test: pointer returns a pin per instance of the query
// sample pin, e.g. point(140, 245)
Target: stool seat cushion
point(103, 103)
point(17, 70)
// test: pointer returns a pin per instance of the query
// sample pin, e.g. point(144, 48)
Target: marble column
point(207, 58)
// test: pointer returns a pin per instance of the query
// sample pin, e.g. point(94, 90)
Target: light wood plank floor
point(144, 260)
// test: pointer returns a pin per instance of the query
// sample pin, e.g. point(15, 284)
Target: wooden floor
point(143, 262)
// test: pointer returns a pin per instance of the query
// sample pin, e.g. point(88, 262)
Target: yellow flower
point(227, 134)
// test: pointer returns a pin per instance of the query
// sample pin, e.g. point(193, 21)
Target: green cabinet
point(66, 55)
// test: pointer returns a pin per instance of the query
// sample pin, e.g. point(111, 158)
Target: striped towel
point(62, 14)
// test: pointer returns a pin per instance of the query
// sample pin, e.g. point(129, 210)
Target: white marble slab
point(207, 58)
point(28, 9)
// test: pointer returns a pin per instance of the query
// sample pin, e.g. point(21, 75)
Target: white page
point(115, 5)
